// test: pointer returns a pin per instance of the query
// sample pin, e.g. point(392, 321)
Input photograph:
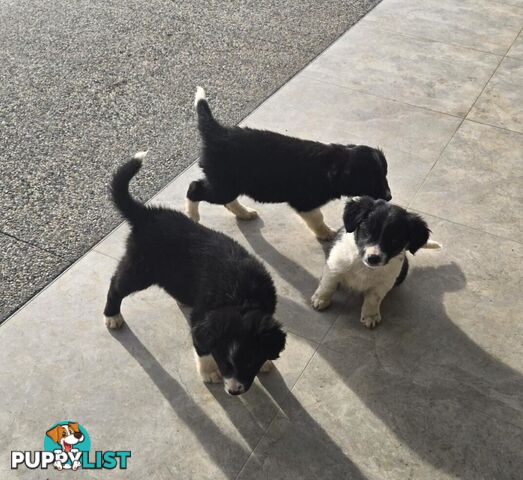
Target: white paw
point(211, 377)
point(192, 210)
point(58, 465)
point(325, 234)
point(320, 303)
point(371, 321)
point(267, 367)
point(114, 322)
point(76, 464)
point(248, 214)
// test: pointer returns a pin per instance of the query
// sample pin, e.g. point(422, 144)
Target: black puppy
point(274, 168)
point(232, 295)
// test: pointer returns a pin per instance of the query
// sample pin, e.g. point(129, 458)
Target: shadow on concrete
point(218, 446)
point(451, 402)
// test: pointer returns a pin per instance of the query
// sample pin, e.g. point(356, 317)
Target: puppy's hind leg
point(124, 282)
point(314, 220)
point(202, 190)
point(241, 211)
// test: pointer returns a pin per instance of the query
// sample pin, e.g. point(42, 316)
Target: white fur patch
point(432, 244)
point(240, 211)
point(207, 368)
point(140, 155)
point(114, 322)
point(192, 210)
point(200, 95)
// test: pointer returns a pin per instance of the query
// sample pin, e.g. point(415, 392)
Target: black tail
point(128, 206)
point(206, 122)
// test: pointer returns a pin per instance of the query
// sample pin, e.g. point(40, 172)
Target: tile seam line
point(413, 199)
point(373, 25)
point(318, 345)
point(258, 106)
point(470, 227)
point(34, 245)
point(427, 39)
point(311, 76)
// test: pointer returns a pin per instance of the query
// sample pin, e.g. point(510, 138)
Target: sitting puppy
point(274, 168)
point(369, 254)
point(232, 295)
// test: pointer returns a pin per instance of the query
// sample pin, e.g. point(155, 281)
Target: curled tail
point(128, 206)
point(206, 122)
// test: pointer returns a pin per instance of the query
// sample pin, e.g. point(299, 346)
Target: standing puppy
point(369, 254)
point(232, 295)
point(274, 168)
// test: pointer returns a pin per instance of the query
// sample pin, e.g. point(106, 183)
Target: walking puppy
point(274, 168)
point(232, 295)
point(369, 254)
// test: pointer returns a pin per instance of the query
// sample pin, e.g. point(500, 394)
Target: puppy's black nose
point(234, 392)
point(373, 259)
point(388, 196)
point(78, 435)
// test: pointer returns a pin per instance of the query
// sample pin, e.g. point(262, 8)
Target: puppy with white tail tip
point(273, 168)
point(232, 296)
point(369, 254)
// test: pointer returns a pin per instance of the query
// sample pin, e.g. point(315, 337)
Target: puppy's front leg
point(314, 220)
point(323, 294)
point(370, 311)
point(207, 368)
point(241, 211)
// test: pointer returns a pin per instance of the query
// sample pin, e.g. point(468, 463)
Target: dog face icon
point(66, 435)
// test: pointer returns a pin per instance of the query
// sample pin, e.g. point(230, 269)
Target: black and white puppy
point(233, 297)
point(274, 168)
point(369, 254)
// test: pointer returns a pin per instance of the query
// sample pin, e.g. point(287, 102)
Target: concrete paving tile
point(24, 271)
point(516, 51)
point(477, 181)
point(412, 138)
point(99, 372)
point(434, 75)
point(479, 24)
point(501, 102)
point(352, 416)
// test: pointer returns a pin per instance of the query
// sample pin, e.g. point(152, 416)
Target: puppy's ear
point(74, 427)
point(208, 332)
point(55, 433)
point(356, 209)
point(272, 339)
point(418, 233)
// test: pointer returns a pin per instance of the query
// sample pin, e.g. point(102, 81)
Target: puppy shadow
point(209, 435)
point(294, 444)
point(443, 396)
point(290, 271)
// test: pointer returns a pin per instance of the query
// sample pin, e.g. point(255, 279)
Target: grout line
point(464, 225)
point(27, 242)
point(505, 129)
point(378, 23)
point(377, 95)
point(454, 134)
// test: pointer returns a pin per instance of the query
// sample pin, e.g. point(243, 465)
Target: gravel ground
point(83, 84)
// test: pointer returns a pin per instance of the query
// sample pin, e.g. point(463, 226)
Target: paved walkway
point(83, 82)
point(436, 392)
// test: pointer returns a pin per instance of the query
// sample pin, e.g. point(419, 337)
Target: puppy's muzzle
point(233, 387)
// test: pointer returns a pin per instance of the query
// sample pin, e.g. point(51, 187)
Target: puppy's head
point(240, 341)
point(66, 435)
point(382, 230)
point(363, 171)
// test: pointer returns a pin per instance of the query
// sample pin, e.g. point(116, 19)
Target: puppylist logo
point(67, 446)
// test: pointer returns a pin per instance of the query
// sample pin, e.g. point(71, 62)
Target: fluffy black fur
point(273, 168)
point(232, 294)
point(390, 227)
